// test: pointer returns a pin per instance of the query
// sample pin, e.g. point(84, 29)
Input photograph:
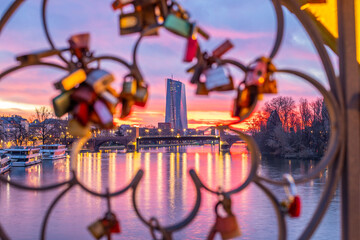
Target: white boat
point(24, 156)
point(5, 163)
point(53, 152)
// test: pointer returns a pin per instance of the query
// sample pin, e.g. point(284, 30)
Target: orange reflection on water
point(244, 166)
point(227, 170)
point(197, 164)
point(172, 179)
point(147, 174)
point(220, 172)
point(159, 179)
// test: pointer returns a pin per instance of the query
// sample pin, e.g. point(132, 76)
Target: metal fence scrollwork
point(96, 104)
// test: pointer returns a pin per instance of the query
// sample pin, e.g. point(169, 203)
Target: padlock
point(141, 95)
point(104, 114)
point(129, 87)
point(70, 81)
point(36, 56)
point(257, 74)
point(293, 202)
point(112, 91)
point(130, 23)
point(216, 77)
point(79, 44)
point(119, 4)
point(97, 229)
point(112, 223)
point(260, 75)
point(84, 93)
point(78, 130)
point(198, 70)
point(245, 101)
point(99, 80)
point(62, 104)
point(126, 107)
point(81, 113)
point(177, 25)
point(222, 49)
point(108, 97)
point(201, 89)
point(202, 32)
point(149, 17)
point(226, 226)
point(192, 45)
point(94, 118)
point(228, 87)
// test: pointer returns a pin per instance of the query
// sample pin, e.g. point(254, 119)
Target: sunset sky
point(250, 25)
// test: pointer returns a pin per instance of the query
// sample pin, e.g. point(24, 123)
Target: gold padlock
point(201, 89)
point(141, 95)
point(126, 107)
point(70, 81)
point(129, 87)
point(97, 229)
point(78, 130)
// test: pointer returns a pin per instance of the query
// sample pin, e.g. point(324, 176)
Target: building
point(164, 126)
point(176, 112)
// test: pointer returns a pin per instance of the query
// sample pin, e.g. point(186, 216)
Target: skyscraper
point(176, 112)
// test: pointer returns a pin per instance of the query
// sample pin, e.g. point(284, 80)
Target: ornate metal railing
point(333, 158)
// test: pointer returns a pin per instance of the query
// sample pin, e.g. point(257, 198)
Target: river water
point(165, 191)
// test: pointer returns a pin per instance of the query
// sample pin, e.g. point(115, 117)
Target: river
point(166, 191)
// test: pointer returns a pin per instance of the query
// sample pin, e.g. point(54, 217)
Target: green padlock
point(177, 25)
point(62, 103)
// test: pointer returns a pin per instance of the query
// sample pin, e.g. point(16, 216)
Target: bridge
point(168, 141)
point(155, 141)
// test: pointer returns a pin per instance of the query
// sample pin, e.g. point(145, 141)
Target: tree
point(46, 126)
point(19, 134)
point(284, 107)
point(316, 107)
point(305, 113)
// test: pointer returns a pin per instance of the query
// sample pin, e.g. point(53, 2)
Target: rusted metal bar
point(349, 76)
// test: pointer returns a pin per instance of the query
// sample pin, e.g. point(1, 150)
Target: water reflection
point(166, 191)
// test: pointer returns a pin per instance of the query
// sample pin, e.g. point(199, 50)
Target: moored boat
point(53, 152)
point(24, 156)
point(5, 163)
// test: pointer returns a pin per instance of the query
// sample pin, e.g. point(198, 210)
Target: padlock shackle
point(290, 187)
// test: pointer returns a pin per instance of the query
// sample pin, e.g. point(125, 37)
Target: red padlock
point(192, 45)
point(84, 93)
point(79, 44)
point(81, 113)
point(293, 202)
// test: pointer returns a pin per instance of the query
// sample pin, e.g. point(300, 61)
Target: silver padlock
point(216, 77)
point(104, 114)
point(99, 80)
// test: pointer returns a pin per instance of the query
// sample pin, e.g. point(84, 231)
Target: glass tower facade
point(176, 112)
